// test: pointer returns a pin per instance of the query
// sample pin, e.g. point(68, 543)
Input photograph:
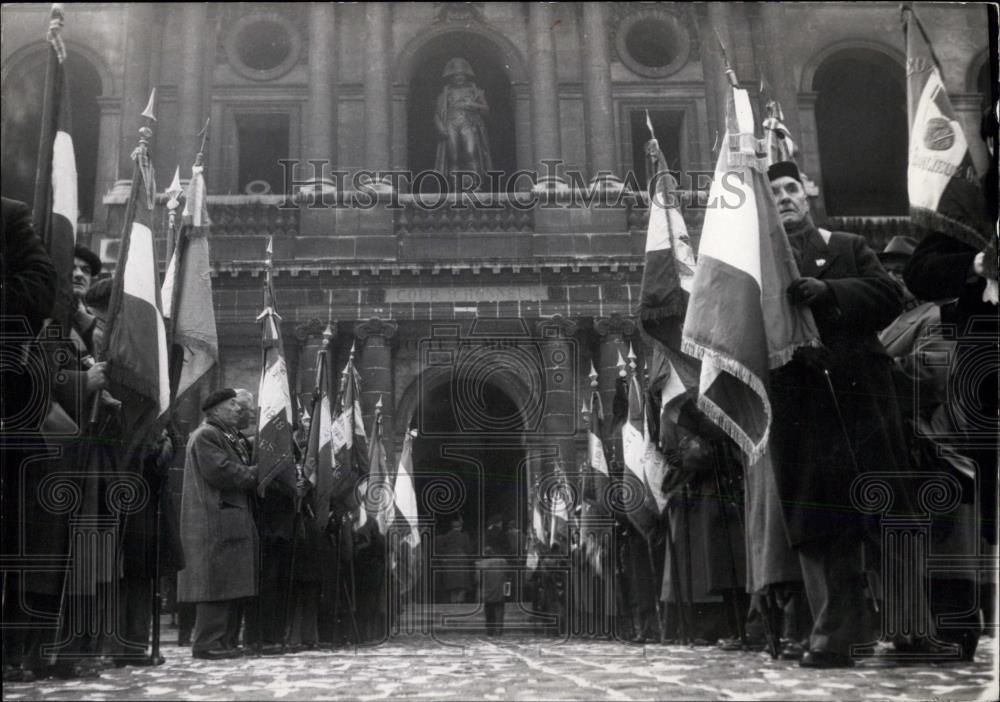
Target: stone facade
point(345, 85)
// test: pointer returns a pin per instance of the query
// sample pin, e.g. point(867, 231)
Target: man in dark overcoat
point(217, 528)
point(834, 416)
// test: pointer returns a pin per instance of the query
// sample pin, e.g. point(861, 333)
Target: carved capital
point(556, 327)
point(313, 328)
point(614, 325)
point(375, 327)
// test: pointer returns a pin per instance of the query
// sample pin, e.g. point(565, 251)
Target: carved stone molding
point(615, 324)
point(556, 327)
point(375, 327)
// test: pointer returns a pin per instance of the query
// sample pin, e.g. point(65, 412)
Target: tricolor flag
point(350, 444)
point(667, 279)
point(644, 466)
point(377, 501)
point(274, 453)
point(318, 462)
point(538, 536)
point(405, 515)
point(136, 342)
point(945, 169)
point(596, 470)
point(55, 207)
point(187, 293)
point(561, 506)
point(740, 322)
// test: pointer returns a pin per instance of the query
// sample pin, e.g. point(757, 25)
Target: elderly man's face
point(82, 276)
point(245, 409)
point(790, 197)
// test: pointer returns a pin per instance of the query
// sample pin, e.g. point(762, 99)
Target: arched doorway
point(23, 87)
point(862, 132)
point(425, 84)
point(472, 469)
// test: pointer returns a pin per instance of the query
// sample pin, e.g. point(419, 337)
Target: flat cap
point(217, 398)
point(782, 169)
point(92, 259)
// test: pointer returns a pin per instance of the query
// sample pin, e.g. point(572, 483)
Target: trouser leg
point(211, 625)
point(832, 575)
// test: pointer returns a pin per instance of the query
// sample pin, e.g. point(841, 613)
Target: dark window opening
point(667, 125)
point(651, 43)
point(264, 45)
point(263, 141)
point(862, 131)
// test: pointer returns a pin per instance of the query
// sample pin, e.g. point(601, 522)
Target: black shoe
point(122, 661)
point(68, 670)
point(791, 651)
point(825, 659)
point(215, 654)
point(272, 649)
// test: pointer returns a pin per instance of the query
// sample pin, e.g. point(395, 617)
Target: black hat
point(92, 259)
point(899, 248)
point(217, 398)
point(99, 295)
point(782, 169)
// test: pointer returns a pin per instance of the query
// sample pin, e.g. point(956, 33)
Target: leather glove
point(809, 291)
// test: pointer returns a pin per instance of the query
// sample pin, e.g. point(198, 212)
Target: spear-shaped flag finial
point(327, 333)
point(593, 374)
point(631, 356)
point(730, 73)
point(149, 112)
point(204, 139)
point(649, 126)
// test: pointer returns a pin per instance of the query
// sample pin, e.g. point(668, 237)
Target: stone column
point(559, 361)
point(771, 49)
point(322, 61)
point(309, 336)
point(377, 89)
point(613, 332)
point(597, 89)
point(544, 88)
point(375, 346)
point(191, 90)
point(139, 28)
point(107, 153)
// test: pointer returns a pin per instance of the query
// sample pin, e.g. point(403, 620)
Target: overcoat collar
point(816, 255)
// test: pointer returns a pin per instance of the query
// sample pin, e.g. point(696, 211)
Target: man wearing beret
point(217, 527)
point(835, 415)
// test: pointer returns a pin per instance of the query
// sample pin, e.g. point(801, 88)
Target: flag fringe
point(781, 357)
point(753, 450)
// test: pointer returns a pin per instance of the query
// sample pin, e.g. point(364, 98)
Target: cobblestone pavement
point(522, 667)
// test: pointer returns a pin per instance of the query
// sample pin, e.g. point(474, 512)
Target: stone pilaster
point(377, 105)
point(139, 27)
point(544, 87)
point(320, 122)
point(597, 89)
point(374, 339)
point(190, 89)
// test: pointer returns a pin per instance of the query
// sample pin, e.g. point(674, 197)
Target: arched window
point(22, 115)
point(862, 132)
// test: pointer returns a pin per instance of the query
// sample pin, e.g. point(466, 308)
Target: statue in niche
point(463, 144)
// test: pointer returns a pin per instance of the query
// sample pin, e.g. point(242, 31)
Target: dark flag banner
point(350, 444)
point(406, 559)
point(319, 448)
point(945, 168)
point(740, 322)
point(136, 337)
point(275, 458)
point(645, 501)
point(55, 207)
point(187, 292)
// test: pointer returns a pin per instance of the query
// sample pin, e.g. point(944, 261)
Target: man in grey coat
point(217, 526)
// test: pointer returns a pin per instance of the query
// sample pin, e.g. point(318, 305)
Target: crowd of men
point(882, 393)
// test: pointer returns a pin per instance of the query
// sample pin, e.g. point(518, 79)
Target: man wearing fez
point(835, 416)
point(217, 527)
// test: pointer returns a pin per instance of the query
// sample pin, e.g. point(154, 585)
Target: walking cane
point(687, 551)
